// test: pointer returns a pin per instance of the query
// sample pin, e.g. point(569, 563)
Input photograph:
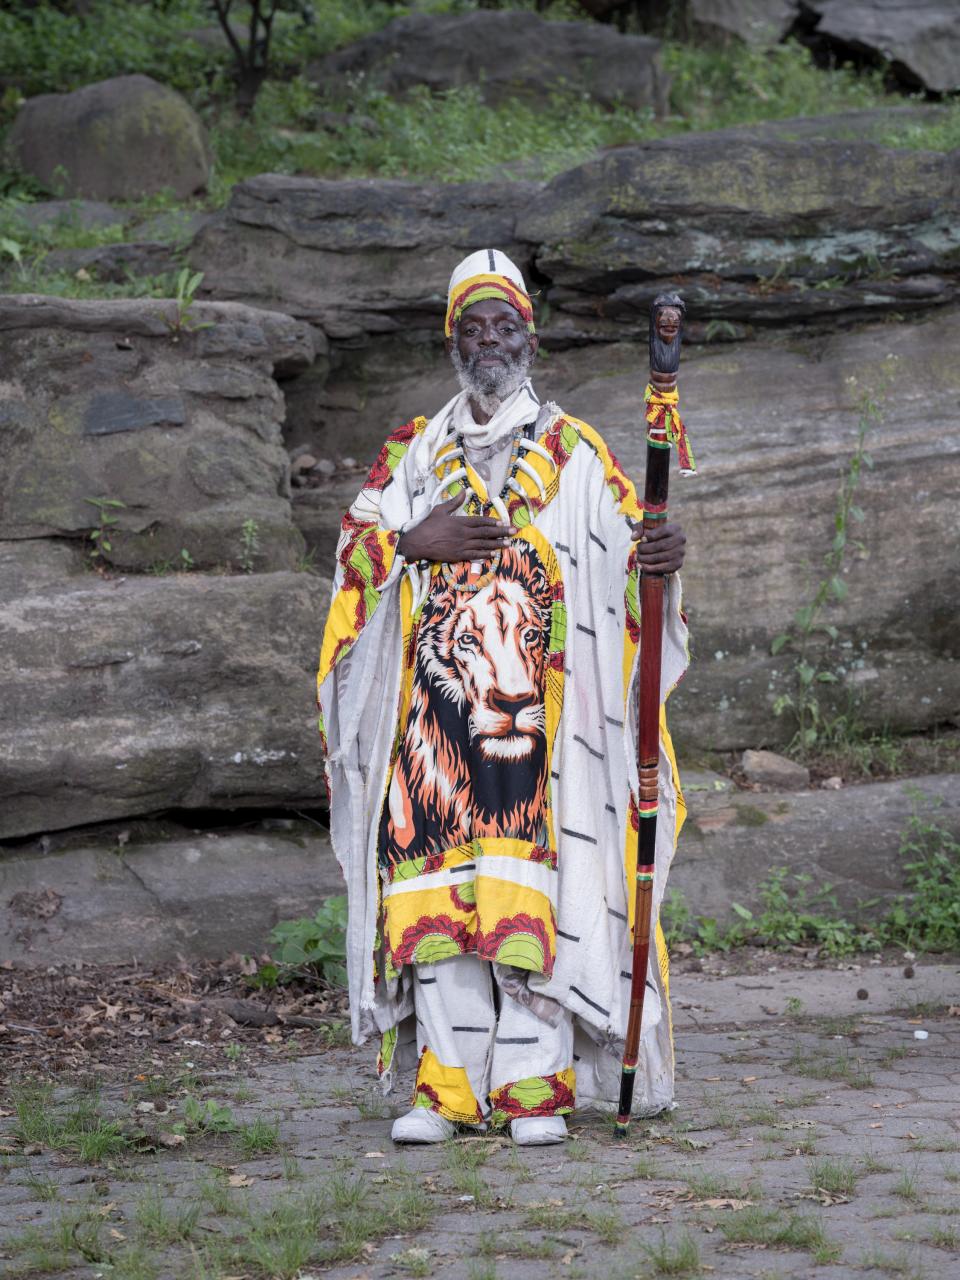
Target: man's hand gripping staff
point(659, 553)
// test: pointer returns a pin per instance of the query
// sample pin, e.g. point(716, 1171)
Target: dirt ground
point(817, 1133)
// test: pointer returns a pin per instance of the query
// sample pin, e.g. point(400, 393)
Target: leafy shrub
point(310, 946)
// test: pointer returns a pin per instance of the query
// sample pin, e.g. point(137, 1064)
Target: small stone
point(349, 464)
point(768, 769)
point(863, 993)
point(303, 463)
point(920, 1035)
point(908, 971)
point(832, 784)
point(323, 468)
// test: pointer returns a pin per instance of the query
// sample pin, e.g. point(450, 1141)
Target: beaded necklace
point(474, 507)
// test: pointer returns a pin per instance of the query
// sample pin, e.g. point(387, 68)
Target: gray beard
point(489, 387)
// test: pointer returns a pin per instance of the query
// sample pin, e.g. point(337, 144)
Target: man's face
point(491, 348)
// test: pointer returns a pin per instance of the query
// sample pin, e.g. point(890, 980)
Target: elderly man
point(476, 693)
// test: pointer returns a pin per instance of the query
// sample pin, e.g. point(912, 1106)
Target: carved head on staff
point(666, 333)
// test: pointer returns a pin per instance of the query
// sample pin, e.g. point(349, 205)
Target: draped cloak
point(575, 882)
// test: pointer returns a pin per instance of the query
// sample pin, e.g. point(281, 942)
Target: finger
point(483, 522)
point(660, 566)
point(457, 500)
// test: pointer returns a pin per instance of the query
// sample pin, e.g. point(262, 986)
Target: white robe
point(594, 765)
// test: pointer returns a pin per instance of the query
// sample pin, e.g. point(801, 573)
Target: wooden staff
point(664, 428)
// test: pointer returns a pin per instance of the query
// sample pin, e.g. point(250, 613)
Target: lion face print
point(472, 756)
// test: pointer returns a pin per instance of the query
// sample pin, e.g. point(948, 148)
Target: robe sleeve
point(368, 562)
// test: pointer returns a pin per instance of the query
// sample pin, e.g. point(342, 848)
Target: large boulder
point(357, 257)
point(754, 232)
point(175, 415)
point(127, 695)
point(120, 139)
point(920, 40)
point(505, 54)
point(782, 226)
point(160, 892)
point(755, 22)
point(773, 427)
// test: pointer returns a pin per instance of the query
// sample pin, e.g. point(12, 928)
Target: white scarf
point(520, 407)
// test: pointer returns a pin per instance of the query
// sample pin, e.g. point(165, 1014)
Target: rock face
point(121, 139)
point(773, 427)
point(505, 54)
point(920, 40)
point(753, 233)
point(196, 894)
point(757, 231)
point(756, 22)
point(127, 695)
point(176, 417)
point(848, 839)
point(356, 257)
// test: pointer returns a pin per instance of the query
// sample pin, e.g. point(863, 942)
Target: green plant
point(184, 298)
point(673, 1258)
point(249, 544)
point(815, 725)
point(14, 249)
point(311, 946)
point(930, 919)
point(260, 1137)
point(100, 534)
point(205, 1116)
point(187, 561)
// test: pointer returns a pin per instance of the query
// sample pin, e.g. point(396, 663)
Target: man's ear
point(448, 345)
point(534, 344)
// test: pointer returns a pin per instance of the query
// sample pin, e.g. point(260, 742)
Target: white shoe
point(538, 1131)
point(422, 1125)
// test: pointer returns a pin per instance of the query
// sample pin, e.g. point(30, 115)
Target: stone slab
point(203, 895)
point(124, 696)
point(849, 839)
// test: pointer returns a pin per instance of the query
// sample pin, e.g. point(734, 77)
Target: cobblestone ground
point(816, 1135)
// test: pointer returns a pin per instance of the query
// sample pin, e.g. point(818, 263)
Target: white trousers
point(467, 1020)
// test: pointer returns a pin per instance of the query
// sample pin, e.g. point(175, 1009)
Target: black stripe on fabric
point(586, 630)
point(562, 546)
point(623, 974)
point(485, 1030)
point(517, 1040)
point(592, 1003)
point(423, 981)
point(554, 775)
point(611, 609)
point(578, 835)
point(610, 720)
point(583, 742)
point(464, 866)
point(651, 987)
point(576, 1057)
point(492, 261)
point(594, 538)
point(570, 937)
point(568, 673)
point(618, 915)
point(609, 808)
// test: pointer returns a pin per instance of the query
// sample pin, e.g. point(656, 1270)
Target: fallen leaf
point(877, 1125)
point(239, 1180)
point(116, 1235)
point(374, 1155)
point(168, 1139)
point(104, 1210)
point(748, 1079)
point(722, 1202)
